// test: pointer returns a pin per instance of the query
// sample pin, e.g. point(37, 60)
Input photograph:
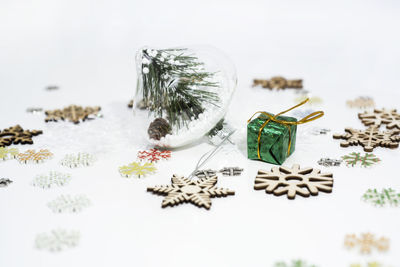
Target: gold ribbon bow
point(308, 118)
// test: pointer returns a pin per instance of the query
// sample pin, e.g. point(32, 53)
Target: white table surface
point(342, 49)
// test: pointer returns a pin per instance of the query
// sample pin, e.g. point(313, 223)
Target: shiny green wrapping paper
point(274, 139)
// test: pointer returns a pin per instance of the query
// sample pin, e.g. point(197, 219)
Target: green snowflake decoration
point(385, 197)
point(137, 169)
point(295, 263)
point(8, 153)
point(367, 160)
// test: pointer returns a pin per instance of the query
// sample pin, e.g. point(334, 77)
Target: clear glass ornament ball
point(182, 93)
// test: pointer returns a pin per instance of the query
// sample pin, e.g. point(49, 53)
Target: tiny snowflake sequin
point(69, 204)
point(8, 153)
point(137, 169)
point(154, 155)
point(77, 160)
point(57, 240)
point(366, 242)
point(31, 156)
point(52, 179)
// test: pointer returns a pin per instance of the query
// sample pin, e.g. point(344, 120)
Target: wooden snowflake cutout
point(78, 160)
point(368, 159)
point(34, 157)
point(366, 242)
point(8, 153)
point(385, 197)
point(369, 138)
point(16, 135)
point(137, 169)
point(279, 83)
point(381, 116)
point(197, 191)
point(154, 155)
point(291, 181)
point(72, 113)
point(361, 102)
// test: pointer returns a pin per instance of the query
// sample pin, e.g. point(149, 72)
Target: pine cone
point(130, 104)
point(158, 128)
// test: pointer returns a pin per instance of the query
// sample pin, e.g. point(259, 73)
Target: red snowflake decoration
point(154, 155)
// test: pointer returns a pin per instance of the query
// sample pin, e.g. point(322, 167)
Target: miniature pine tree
point(175, 85)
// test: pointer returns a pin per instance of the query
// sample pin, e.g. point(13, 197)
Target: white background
point(342, 49)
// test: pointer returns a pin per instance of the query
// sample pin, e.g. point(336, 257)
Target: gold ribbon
point(308, 118)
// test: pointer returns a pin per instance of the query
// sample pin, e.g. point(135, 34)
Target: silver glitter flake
point(69, 204)
point(52, 179)
point(4, 182)
point(327, 162)
point(77, 160)
point(34, 110)
point(205, 173)
point(231, 171)
point(319, 131)
point(57, 240)
point(52, 88)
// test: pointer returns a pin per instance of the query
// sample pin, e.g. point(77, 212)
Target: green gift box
point(274, 140)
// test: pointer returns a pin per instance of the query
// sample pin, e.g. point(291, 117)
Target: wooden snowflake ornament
point(197, 192)
point(31, 156)
point(291, 181)
point(369, 138)
point(361, 102)
point(366, 242)
point(72, 113)
point(381, 116)
point(16, 135)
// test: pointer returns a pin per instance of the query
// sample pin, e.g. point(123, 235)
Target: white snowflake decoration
point(57, 240)
point(52, 179)
point(77, 160)
point(67, 203)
